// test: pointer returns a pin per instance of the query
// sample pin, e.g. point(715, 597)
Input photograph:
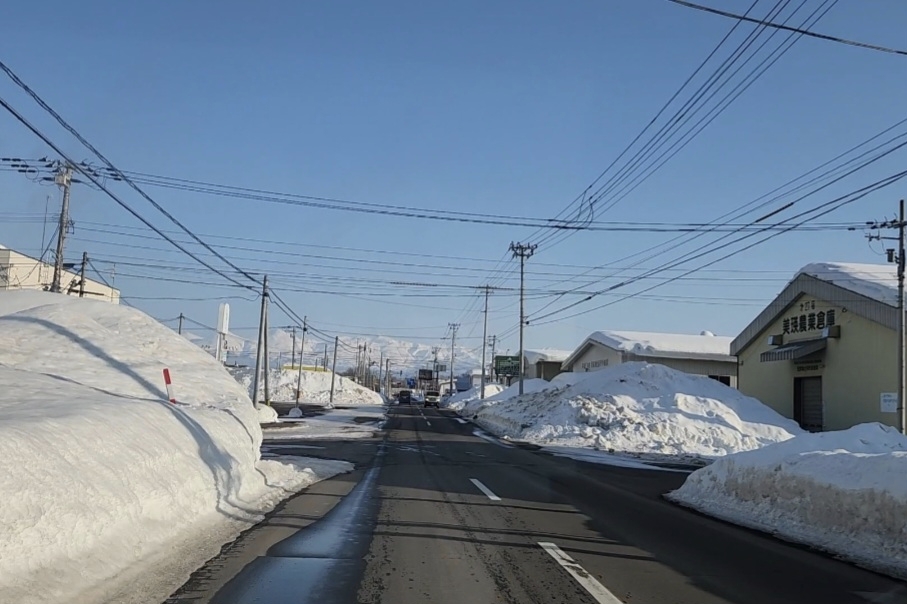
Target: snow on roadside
point(340, 424)
point(316, 387)
point(107, 491)
point(638, 408)
point(530, 386)
point(843, 492)
point(460, 399)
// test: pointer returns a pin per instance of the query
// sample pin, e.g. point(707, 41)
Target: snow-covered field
point(316, 387)
point(108, 493)
point(844, 492)
point(637, 408)
point(340, 424)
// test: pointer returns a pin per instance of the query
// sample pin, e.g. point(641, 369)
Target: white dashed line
point(461, 420)
point(582, 576)
point(485, 489)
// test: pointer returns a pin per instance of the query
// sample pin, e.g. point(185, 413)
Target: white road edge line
point(582, 576)
point(484, 489)
point(461, 420)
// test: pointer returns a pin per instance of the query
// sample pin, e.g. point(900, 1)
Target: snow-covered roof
point(545, 354)
point(876, 281)
point(659, 344)
point(705, 346)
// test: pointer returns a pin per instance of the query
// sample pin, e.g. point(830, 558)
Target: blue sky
point(504, 107)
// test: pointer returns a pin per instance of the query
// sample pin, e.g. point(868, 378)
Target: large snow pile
point(844, 492)
point(876, 281)
point(643, 409)
point(529, 386)
point(107, 491)
point(316, 387)
point(460, 399)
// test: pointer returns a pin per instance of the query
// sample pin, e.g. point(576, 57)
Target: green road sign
point(508, 366)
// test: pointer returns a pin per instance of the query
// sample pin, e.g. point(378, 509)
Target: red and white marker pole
point(169, 384)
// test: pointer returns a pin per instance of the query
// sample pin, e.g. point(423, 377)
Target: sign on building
point(888, 402)
point(507, 366)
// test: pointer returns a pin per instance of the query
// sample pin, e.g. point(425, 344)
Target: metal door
point(808, 403)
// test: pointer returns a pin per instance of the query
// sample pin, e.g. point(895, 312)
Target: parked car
point(433, 399)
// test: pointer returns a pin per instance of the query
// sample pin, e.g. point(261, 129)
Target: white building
point(544, 363)
point(703, 354)
point(18, 271)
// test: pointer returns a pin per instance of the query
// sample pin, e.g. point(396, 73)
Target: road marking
point(491, 439)
point(461, 420)
point(485, 489)
point(582, 576)
point(428, 422)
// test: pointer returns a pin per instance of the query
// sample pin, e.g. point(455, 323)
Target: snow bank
point(876, 281)
point(460, 399)
point(107, 491)
point(642, 409)
point(844, 492)
point(316, 387)
point(266, 414)
point(529, 386)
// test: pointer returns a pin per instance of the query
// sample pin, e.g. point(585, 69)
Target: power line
point(88, 173)
point(804, 32)
point(110, 194)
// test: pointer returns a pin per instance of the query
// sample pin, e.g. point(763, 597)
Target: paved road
point(441, 515)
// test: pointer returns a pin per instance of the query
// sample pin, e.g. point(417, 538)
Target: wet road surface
point(438, 512)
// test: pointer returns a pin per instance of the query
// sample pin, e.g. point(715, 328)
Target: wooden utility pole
point(305, 328)
point(82, 275)
point(453, 341)
point(334, 368)
point(484, 342)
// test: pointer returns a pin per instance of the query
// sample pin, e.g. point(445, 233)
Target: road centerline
point(582, 576)
point(484, 489)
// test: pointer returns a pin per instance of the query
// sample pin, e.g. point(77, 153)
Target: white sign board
point(888, 402)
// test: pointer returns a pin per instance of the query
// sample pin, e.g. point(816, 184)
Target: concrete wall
point(855, 368)
point(595, 358)
point(21, 272)
point(599, 357)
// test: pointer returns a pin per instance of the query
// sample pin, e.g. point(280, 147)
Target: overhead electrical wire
point(804, 32)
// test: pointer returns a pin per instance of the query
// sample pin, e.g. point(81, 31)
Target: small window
point(724, 379)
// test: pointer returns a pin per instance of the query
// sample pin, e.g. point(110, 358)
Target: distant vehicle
point(405, 397)
point(433, 399)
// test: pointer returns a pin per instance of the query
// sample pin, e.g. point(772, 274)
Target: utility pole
point(63, 178)
point(358, 363)
point(179, 329)
point(522, 251)
point(324, 363)
point(898, 256)
point(305, 328)
point(387, 377)
point(334, 369)
point(453, 340)
point(262, 327)
point(380, 369)
point(267, 357)
point(435, 377)
point(82, 275)
point(494, 341)
point(293, 348)
point(484, 341)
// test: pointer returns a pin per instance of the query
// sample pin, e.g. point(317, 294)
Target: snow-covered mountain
point(404, 355)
